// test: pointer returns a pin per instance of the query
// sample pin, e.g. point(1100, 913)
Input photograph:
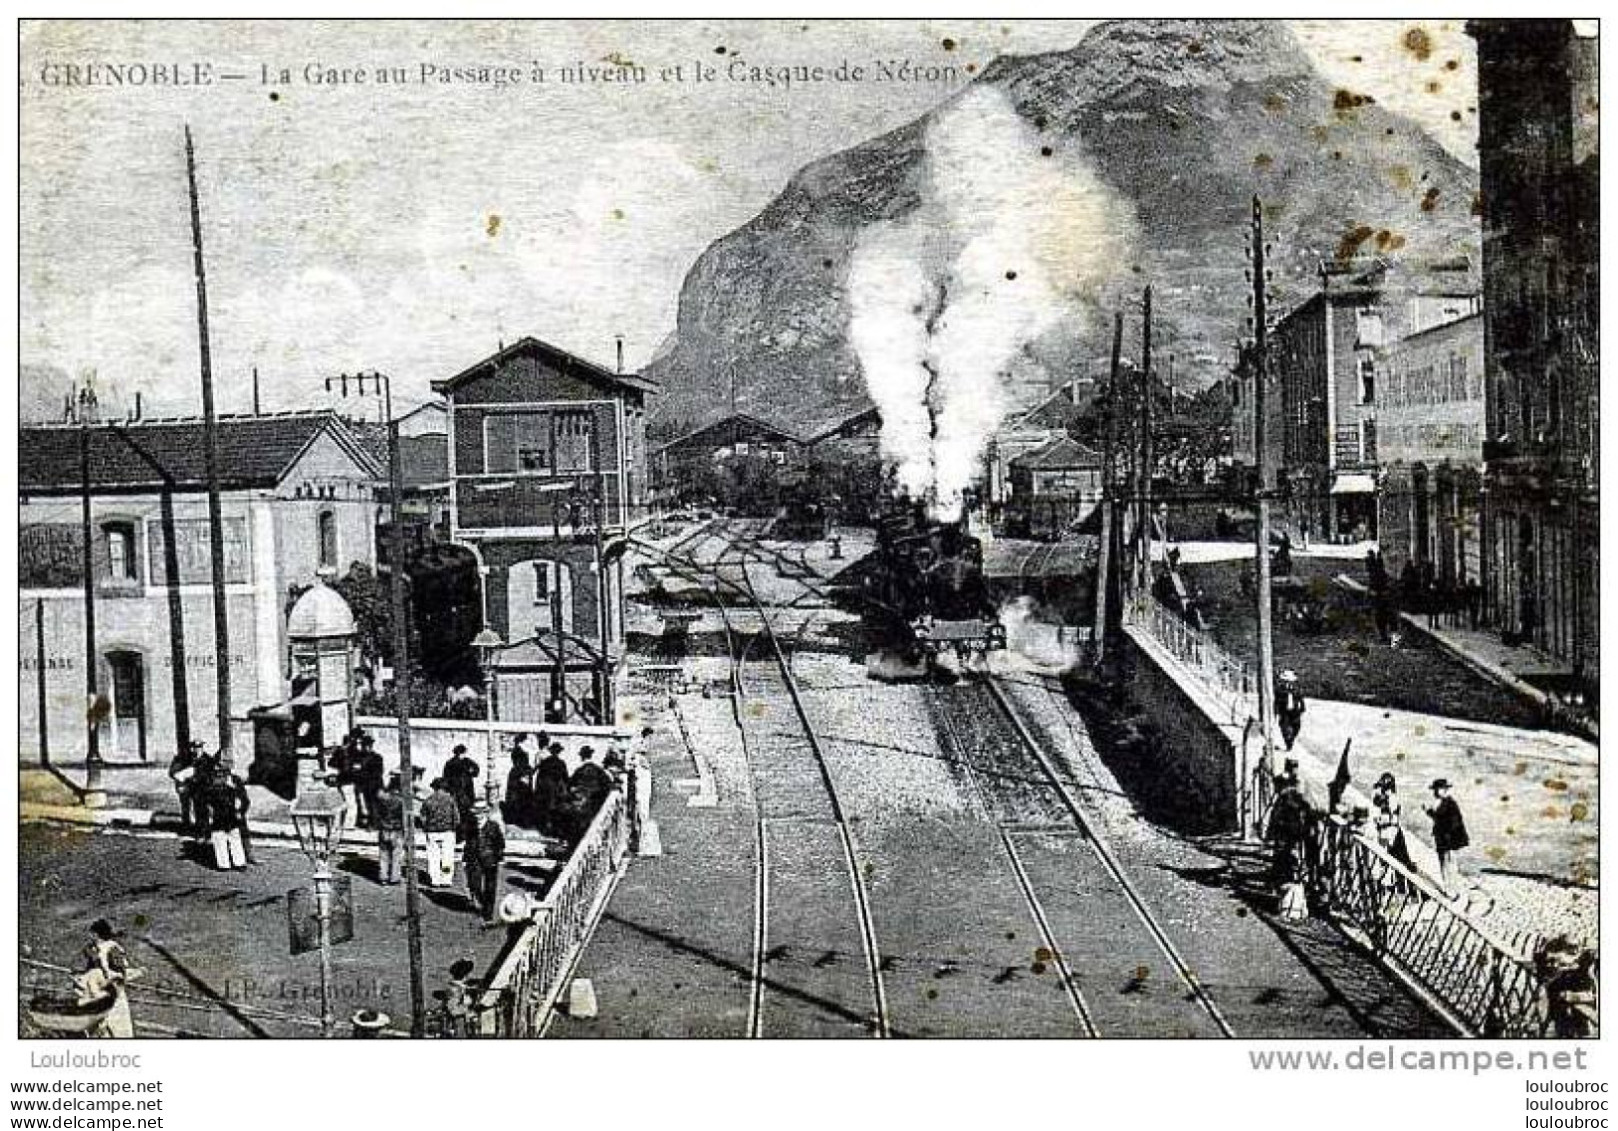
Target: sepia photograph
point(765, 528)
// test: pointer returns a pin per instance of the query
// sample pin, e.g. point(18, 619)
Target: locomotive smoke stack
point(1012, 237)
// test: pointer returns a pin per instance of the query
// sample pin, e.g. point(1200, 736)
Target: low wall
point(1201, 748)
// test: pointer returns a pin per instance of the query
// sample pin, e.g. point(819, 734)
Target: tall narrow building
point(1538, 140)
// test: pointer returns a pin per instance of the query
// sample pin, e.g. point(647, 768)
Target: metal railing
point(527, 978)
point(1229, 680)
point(1419, 932)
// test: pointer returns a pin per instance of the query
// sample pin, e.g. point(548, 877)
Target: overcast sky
point(412, 228)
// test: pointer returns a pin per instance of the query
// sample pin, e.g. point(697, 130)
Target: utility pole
point(1104, 554)
point(1143, 529)
point(92, 662)
point(40, 677)
point(1266, 644)
point(401, 690)
point(210, 460)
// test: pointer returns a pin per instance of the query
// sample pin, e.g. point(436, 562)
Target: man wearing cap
point(389, 818)
point(460, 778)
point(1289, 707)
point(1449, 833)
point(485, 849)
point(440, 817)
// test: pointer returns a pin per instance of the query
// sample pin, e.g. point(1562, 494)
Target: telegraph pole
point(401, 692)
point(1266, 652)
point(92, 663)
point(1144, 529)
point(210, 459)
point(1104, 555)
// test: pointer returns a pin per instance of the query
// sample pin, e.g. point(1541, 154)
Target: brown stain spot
point(1556, 785)
point(756, 710)
point(617, 213)
point(1510, 831)
point(1454, 115)
point(1142, 972)
point(1347, 248)
point(1400, 176)
point(1520, 769)
point(1495, 852)
point(1346, 100)
point(1275, 102)
point(1010, 935)
point(932, 994)
point(1046, 151)
point(948, 44)
point(971, 68)
point(275, 96)
point(1043, 954)
point(1011, 276)
point(1453, 65)
point(1037, 968)
point(1578, 811)
point(492, 226)
point(1477, 204)
point(720, 50)
point(1551, 813)
point(1419, 44)
point(1429, 200)
point(1434, 87)
point(1194, 47)
point(1263, 161)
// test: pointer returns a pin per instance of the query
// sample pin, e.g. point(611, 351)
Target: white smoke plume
point(1007, 242)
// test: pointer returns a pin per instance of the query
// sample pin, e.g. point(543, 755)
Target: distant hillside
point(1184, 119)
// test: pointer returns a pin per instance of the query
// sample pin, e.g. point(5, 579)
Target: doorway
point(128, 671)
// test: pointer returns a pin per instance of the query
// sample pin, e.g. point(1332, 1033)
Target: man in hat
point(460, 778)
point(485, 849)
point(1289, 707)
point(370, 772)
point(225, 803)
point(1449, 833)
point(440, 817)
point(551, 792)
point(589, 787)
point(183, 772)
point(389, 819)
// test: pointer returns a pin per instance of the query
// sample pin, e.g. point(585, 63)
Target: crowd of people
point(1448, 602)
point(543, 794)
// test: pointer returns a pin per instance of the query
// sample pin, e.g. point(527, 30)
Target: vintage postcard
point(764, 528)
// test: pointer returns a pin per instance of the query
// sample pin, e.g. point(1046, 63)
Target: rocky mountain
point(1184, 119)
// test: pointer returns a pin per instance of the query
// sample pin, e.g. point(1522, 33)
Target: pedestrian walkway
point(1529, 797)
point(1521, 669)
point(672, 956)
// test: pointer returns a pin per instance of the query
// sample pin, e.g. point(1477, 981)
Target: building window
point(574, 440)
point(326, 534)
point(518, 441)
point(1457, 377)
point(120, 539)
point(1367, 381)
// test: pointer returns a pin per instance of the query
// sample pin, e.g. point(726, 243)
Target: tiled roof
point(1062, 452)
point(254, 451)
point(572, 363)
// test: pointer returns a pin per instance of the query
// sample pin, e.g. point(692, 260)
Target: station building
point(299, 502)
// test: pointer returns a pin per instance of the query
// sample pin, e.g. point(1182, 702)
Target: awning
point(1354, 483)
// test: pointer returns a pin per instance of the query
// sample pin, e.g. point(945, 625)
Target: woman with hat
point(1390, 833)
point(1449, 833)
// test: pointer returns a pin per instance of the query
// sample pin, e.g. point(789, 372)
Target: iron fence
point(528, 976)
point(1413, 926)
point(1229, 680)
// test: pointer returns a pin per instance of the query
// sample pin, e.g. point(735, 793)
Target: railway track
point(1096, 926)
point(807, 923)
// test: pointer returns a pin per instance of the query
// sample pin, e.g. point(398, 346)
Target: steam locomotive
point(926, 587)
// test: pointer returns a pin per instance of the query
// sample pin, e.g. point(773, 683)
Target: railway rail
point(1032, 802)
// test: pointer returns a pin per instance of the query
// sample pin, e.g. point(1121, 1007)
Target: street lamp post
point(317, 817)
point(379, 382)
point(488, 644)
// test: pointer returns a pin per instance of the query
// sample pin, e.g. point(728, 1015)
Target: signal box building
point(547, 470)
